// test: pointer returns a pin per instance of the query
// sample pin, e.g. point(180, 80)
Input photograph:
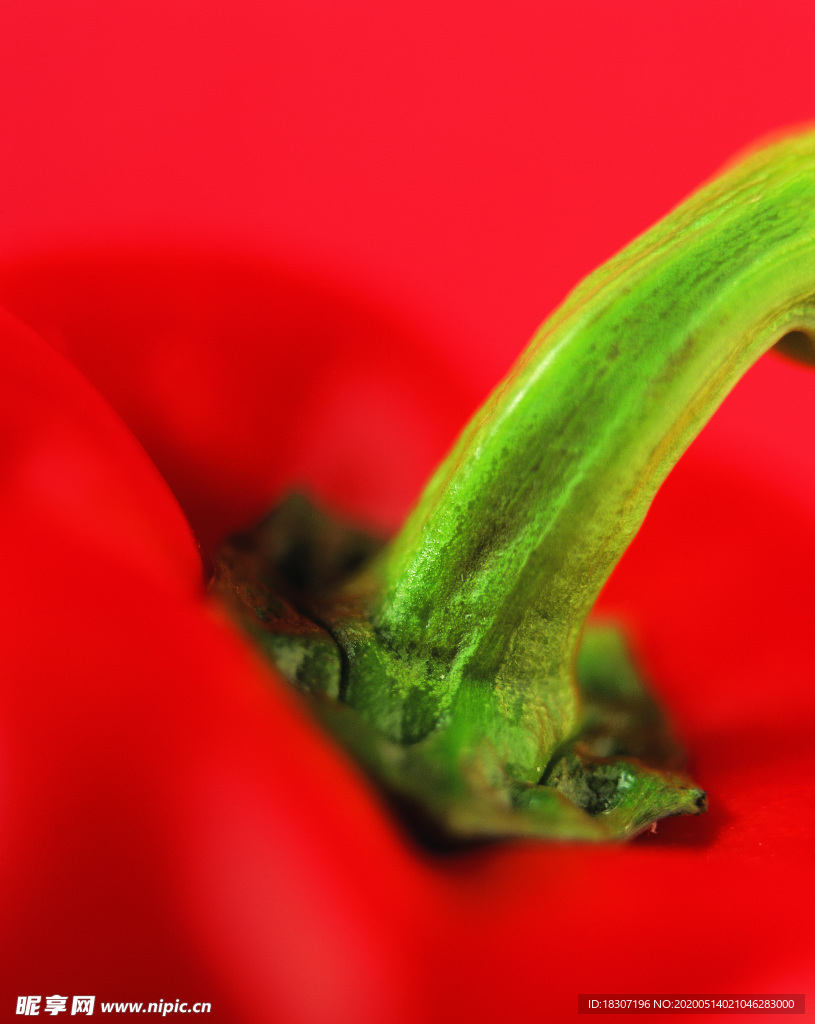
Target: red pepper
point(158, 842)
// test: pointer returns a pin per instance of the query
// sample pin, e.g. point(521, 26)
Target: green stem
point(486, 590)
point(448, 666)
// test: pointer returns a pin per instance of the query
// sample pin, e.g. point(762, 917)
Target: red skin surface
point(174, 825)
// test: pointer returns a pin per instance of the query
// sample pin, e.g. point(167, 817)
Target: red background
point(370, 201)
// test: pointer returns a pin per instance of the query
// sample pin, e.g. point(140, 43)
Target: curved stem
point(488, 586)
